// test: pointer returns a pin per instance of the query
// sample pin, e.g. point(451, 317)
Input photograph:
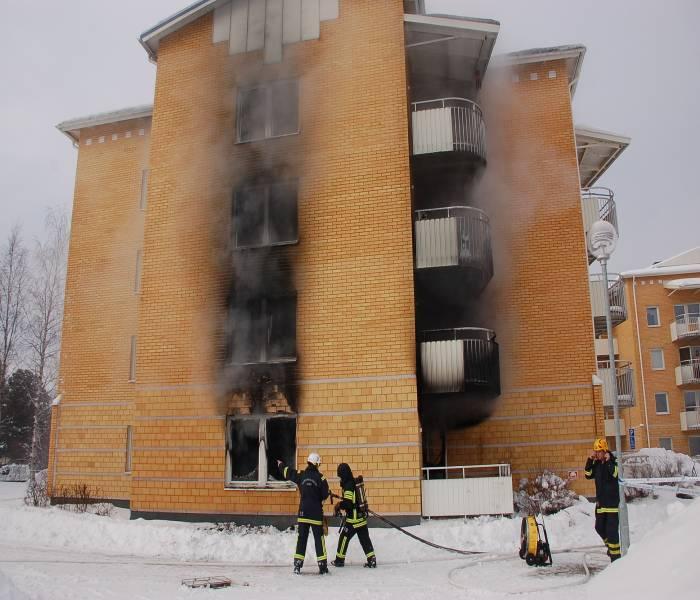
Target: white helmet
point(314, 459)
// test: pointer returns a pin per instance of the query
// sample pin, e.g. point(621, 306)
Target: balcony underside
point(618, 314)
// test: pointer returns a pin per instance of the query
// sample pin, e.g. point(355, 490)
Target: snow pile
point(658, 462)
point(548, 494)
point(14, 472)
point(662, 565)
point(8, 591)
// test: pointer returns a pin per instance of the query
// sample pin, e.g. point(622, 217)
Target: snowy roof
point(596, 151)
point(573, 55)
point(72, 127)
point(685, 262)
point(692, 283)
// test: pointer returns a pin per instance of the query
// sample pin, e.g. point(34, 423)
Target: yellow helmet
point(600, 445)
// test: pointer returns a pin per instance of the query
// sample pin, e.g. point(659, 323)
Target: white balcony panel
point(685, 327)
point(467, 497)
point(443, 365)
point(688, 373)
point(610, 428)
point(690, 420)
point(432, 131)
point(601, 347)
point(436, 243)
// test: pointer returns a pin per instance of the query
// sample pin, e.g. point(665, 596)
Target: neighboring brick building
point(301, 247)
point(661, 341)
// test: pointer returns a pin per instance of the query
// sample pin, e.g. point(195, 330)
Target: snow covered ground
point(48, 553)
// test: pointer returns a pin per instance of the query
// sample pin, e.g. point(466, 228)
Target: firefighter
point(355, 520)
point(313, 488)
point(602, 466)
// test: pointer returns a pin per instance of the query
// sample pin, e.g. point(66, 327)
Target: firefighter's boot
point(371, 562)
point(322, 567)
point(338, 562)
point(298, 564)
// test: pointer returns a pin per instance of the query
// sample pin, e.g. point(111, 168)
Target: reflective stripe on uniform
point(615, 471)
point(309, 521)
point(299, 556)
point(588, 472)
point(607, 510)
point(324, 556)
point(370, 554)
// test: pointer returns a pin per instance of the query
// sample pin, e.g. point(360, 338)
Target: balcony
point(597, 204)
point(460, 375)
point(601, 346)
point(453, 251)
point(610, 428)
point(690, 420)
point(619, 381)
point(688, 373)
point(448, 125)
point(614, 287)
point(685, 328)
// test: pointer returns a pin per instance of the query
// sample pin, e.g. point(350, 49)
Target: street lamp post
point(602, 239)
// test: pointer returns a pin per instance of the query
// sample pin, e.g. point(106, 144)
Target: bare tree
point(13, 284)
point(44, 316)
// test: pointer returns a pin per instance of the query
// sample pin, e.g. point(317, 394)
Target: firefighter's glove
point(336, 509)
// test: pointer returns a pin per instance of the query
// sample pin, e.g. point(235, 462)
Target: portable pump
point(534, 545)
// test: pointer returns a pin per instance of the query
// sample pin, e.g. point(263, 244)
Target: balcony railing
point(597, 204)
point(688, 373)
point(458, 360)
point(690, 419)
point(448, 125)
point(610, 428)
point(619, 380)
point(614, 287)
point(453, 236)
point(685, 327)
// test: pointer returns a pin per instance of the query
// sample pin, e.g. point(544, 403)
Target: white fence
point(467, 491)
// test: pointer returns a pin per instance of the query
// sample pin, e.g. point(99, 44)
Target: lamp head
point(602, 239)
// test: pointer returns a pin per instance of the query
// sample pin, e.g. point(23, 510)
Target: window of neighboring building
point(666, 442)
point(265, 215)
point(694, 445)
point(268, 110)
point(137, 275)
point(253, 445)
point(689, 352)
point(653, 316)
point(132, 359)
point(129, 442)
point(661, 403)
point(682, 311)
point(691, 400)
point(264, 330)
point(657, 359)
point(144, 189)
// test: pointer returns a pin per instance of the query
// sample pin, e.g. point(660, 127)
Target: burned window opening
point(269, 110)
point(265, 215)
point(254, 444)
point(264, 330)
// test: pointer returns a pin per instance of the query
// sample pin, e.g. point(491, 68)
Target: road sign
point(632, 440)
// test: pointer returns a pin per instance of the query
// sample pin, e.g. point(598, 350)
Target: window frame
point(137, 274)
point(269, 87)
point(258, 485)
point(129, 447)
point(696, 400)
point(651, 359)
point(143, 195)
point(132, 360)
point(697, 439)
point(658, 316)
point(670, 440)
point(656, 403)
point(266, 209)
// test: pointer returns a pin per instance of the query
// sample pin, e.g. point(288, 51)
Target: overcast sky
point(640, 78)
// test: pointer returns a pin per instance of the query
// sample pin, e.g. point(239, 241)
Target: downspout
point(641, 360)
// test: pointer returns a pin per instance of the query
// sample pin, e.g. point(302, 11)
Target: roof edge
point(607, 136)
point(72, 126)
point(654, 271)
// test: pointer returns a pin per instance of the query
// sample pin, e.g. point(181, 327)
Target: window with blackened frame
point(265, 215)
point(268, 110)
point(254, 444)
point(661, 400)
point(264, 330)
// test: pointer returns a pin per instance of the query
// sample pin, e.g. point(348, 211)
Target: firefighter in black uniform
point(313, 488)
point(602, 466)
point(355, 521)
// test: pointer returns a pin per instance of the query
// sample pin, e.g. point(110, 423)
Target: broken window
point(264, 330)
point(269, 110)
point(254, 444)
point(265, 215)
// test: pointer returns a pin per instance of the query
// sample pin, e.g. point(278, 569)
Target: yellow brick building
point(341, 227)
point(660, 341)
